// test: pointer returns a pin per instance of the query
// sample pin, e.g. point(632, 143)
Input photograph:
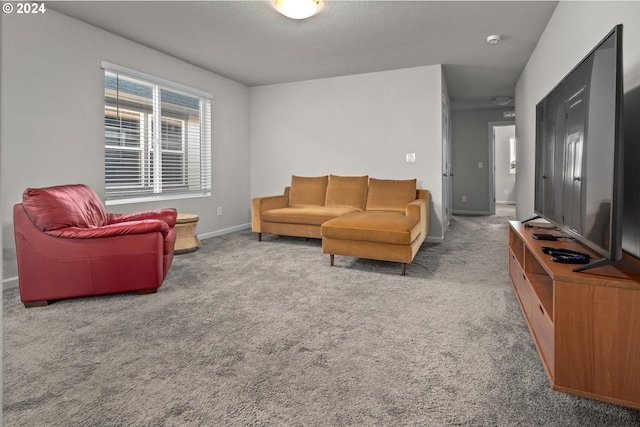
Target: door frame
point(447, 190)
point(492, 161)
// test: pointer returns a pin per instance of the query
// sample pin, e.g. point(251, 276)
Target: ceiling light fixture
point(502, 100)
point(494, 39)
point(298, 9)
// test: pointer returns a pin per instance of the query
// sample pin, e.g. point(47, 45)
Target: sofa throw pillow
point(308, 190)
point(347, 191)
point(390, 195)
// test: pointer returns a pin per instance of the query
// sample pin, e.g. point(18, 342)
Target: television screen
point(631, 211)
point(579, 150)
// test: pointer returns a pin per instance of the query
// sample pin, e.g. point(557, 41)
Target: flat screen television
point(579, 152)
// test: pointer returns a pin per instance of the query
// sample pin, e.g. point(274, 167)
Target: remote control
point(552, 251)
point(542, 236)
point(570, 259)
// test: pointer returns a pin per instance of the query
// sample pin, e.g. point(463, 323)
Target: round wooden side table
point(186, 240)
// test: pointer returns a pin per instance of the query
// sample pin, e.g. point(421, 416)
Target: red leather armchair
point(68, 246)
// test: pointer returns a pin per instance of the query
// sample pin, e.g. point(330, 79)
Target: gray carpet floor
point(248, 333)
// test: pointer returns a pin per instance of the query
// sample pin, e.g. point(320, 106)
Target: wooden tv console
point(585, 325)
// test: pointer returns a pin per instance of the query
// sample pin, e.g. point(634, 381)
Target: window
point(157, 138)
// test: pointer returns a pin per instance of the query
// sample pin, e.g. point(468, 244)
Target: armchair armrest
point(262, 204)
point(118, 229)
point(167, 215)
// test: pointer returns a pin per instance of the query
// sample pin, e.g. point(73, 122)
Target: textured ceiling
point(248, 41)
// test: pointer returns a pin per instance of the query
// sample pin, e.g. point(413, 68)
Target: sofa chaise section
point(392, 228)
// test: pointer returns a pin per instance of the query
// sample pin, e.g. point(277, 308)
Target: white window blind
point(157, 138)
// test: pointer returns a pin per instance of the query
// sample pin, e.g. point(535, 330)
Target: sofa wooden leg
point(404, 268)
point(331, 259)
point(30, 304)
point(259, 237)
point(147, 291)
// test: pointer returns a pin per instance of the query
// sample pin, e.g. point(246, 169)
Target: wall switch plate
point(479, 165)
point(219, 210)
point(411, 157)
point(464, 198)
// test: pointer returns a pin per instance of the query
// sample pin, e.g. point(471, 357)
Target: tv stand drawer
point(543, 334)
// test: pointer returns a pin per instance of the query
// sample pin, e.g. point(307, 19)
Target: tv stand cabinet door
point(597, 342)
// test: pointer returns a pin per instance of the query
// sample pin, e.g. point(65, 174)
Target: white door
point(447, 201)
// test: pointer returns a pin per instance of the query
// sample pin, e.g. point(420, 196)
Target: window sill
point(158, 198)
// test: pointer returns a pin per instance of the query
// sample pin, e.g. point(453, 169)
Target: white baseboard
point(430, 239)
point(9, 283)
point(224, 231)
point(455, 212)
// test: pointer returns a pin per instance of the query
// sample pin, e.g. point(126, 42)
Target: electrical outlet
point(411, 157)
point(479, 165)
point(219, 210)
point(464, 198)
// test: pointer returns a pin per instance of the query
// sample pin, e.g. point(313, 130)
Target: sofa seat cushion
point(373, 226)
point(312, 215)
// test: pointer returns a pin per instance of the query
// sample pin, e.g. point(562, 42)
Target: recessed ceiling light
point(298, 9)
point(502, 100)
point(494, 39)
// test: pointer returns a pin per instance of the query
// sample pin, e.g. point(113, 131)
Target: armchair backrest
point(63, 206)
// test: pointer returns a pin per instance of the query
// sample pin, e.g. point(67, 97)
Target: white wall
point(352, 125)
point(574, 29)
point(53, 127)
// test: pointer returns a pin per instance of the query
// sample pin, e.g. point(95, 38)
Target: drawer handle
point(541, 310)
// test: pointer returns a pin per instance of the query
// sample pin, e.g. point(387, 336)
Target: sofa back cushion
point(347, 191)
point(308, 190)
point(390, 195)
point(63, 206)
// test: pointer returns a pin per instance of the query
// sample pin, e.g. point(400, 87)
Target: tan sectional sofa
point(354, 216)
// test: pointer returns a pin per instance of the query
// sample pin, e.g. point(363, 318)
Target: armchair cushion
point(118, 229)
point(63, 206)
point(167, 215)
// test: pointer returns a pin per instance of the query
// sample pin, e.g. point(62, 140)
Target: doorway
point(502, 149)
